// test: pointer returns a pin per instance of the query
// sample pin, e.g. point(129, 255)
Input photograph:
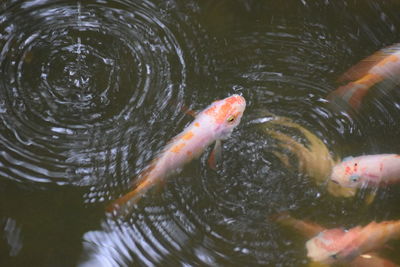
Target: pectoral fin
point(370, 197)
point(340, 191)
point(215, 155)
point(189, 111)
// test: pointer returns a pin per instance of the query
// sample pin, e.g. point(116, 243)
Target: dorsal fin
point(189, 111)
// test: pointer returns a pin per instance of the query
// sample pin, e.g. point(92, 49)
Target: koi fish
point(305, 228)
point(314, 159)
point(368, 170)
point(213, 124)
point(312, 230)
point(381, 65)
point(338, 245)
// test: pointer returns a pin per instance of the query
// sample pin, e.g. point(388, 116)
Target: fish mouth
point(239, 100)
point(336, 182)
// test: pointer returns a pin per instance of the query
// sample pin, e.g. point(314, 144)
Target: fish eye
point(334, 256)
point(354, 178)
point(231, 119)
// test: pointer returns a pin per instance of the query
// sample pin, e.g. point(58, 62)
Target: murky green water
point(90, 91)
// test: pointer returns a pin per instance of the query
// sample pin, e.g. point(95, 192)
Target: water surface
point(92, 90)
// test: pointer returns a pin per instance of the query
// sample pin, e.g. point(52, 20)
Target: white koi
point(367, 170)
point(213, 124)
point(354, 248)
point(339, 246)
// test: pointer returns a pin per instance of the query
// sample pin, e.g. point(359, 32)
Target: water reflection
point(13, 236)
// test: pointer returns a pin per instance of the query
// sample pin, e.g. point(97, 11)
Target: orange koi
point(213, 124)
point(364, 75)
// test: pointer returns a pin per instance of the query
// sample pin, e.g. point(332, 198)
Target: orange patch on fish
point(224, 110)
point(211, 110)
point(389, 59)
point(188, 136)
point(197, 124)
point(178, 147)
point(348, 170)
point(189, 153)
point(232, 100)
point(368, 79)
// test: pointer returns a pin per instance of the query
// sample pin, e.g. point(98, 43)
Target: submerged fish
point(380, 66)
point(305, 228)
point(213, 124)
point(368, 170)
point(338, 245)
point(326, 253)
point(313, 159)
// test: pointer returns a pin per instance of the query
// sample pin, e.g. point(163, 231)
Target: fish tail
point(354, 92)
point(131, 197)
point(290, 144)
point(282, 157)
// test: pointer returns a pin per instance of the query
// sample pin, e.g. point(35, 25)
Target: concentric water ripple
point(221, 218)
point(76, 77)
point(92, 91)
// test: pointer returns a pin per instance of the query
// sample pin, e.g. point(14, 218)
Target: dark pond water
point(90, 92)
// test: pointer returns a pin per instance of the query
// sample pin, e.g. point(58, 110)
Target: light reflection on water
point(92, 90)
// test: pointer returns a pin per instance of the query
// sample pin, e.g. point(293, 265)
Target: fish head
point(225, 115)
point(347, 174)
point(332, 246)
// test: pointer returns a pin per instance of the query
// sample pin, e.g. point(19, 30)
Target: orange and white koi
point(338, 245)
point(215, 123)
point(380, 66)
point(330, 246)
point(367, 170)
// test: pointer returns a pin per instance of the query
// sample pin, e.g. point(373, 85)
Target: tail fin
point(131, 197)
